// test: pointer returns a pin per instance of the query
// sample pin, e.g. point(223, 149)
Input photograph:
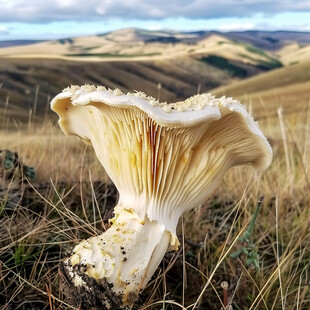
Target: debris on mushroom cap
point(194, 103)
point(197, 102)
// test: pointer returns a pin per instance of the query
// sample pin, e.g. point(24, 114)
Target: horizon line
point(158, 30)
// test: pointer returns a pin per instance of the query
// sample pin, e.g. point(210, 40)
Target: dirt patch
point(94, 295)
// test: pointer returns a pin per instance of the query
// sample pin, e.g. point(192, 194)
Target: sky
point(45, 19)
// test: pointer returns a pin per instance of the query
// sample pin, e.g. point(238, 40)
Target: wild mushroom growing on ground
point(164, 159)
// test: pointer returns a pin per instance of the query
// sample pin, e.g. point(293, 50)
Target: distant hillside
point(179, 78)
point(17, 43)
point(269, 40)
point(287, 87)
point(128, 44)
point(294, 53)
point(264, 49)
point(236, 59)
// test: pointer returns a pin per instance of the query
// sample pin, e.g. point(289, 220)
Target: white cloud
point(154, 27)
point(236, 26)
point(4, 30)
point(101, 10)
point(65, 3)
point(56, 10)
point(305, 27)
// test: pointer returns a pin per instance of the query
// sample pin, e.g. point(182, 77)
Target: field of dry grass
point(71, 199)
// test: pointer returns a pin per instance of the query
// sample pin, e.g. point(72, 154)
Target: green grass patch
point(221, 42)
point(251, 48)
point(91, 47)
point(247, 57)
point(269, 64)
point(64, 41)
point(224, 64)
point(110, 55)
point(255, 50)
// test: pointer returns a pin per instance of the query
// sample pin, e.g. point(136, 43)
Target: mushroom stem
point(125, 256)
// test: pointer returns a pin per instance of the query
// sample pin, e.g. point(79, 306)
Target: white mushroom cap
point(164, 158)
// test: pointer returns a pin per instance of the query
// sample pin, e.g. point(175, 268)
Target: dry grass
point(70, 201)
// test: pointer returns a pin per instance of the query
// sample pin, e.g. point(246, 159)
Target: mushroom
point(164, 159)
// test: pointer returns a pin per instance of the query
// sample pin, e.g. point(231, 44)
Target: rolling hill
point(179, 78)
point(167, 64)
point(287, 87)
point(11, 43)
point(136, 44)
point(270, 40)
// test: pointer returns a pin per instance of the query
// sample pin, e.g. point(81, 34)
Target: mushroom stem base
point(112, 268)
point(96, 295)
